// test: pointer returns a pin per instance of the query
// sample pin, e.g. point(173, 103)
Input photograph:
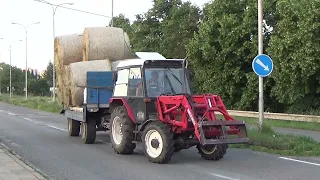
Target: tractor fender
point(114, 102)
point(145, 123)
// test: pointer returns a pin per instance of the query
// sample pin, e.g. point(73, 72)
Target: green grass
point(40, 103)
point(312, 126)
point(271, 142)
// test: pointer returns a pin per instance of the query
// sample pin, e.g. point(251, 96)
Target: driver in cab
point(153, 85)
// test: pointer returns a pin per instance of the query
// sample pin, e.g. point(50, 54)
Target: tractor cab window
point(165, 81)
point(135, 82)
point(121, 87)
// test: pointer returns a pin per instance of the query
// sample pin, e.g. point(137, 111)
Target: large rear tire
point(121, 131)
point(73, 127)
point(88, 131)
point(212, 152)
point(158, 142)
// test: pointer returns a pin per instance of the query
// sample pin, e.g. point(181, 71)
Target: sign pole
point(260, 51)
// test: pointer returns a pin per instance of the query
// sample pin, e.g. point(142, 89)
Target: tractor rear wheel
point(158, 142)
point(73, 127)
point(121, 131)
point(212, 152)
point(88, 131)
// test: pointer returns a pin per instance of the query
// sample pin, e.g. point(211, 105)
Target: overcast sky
point(40, 37)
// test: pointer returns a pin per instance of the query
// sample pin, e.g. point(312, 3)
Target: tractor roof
point(142, 57)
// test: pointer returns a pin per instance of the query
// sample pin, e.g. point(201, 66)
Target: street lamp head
point(70, 3)
point(37, 23)
point(13, 23)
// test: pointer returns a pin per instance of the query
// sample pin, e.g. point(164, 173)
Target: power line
point(78, 10)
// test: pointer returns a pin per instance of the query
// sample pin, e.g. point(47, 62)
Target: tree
point(122, 22)
point(48, 74)
point(222, 51)
point(294, 47)
point(179, 27)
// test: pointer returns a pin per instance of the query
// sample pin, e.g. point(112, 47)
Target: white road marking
point(34, 121)
point(31, 120)
point(222, 176)
point(54, 127)
point(306, 162)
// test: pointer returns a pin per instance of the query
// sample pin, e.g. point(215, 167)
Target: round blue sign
point(262, 65)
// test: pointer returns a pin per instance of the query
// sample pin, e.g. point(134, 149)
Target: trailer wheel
point(212, 152)
point(73, 127)
point(158, 142)
point(88, 131)
point(121, 131)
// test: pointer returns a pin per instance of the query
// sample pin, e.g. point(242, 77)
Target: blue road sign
point(262, 65)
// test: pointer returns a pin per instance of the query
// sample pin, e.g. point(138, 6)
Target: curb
point(36, 172)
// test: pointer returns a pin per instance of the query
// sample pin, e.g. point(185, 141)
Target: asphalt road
point(41, 138)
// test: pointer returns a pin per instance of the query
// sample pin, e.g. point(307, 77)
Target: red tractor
point(152, 104)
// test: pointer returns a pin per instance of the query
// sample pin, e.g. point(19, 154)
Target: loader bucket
point(222, 130)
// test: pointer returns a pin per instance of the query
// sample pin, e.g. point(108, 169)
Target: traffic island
point(283, 144)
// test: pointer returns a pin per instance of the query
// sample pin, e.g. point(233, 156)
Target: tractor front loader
point(193, 120)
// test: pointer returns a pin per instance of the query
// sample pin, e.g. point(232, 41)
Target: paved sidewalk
point(11, 168)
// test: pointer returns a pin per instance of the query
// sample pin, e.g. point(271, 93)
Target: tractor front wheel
point(212, 152)
point(121, 131)
point(158, 142)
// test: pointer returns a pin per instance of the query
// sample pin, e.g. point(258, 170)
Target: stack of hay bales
point(76, 54)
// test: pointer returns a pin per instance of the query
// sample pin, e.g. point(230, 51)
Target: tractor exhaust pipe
point(184, 66)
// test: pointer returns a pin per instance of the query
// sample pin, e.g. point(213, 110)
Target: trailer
point(149, 101)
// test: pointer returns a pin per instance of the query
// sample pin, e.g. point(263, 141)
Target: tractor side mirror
point(115, 76)
point(190, 75)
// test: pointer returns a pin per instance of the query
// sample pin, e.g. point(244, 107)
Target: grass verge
point(40, 103)
point(272, 142)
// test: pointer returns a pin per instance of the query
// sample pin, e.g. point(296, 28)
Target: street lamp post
point(0, 72)
point(10, 83)
point(54, 9)
point(0, 78)
point(26, 30)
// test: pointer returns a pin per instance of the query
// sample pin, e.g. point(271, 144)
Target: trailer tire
point(88, 131)
point(215, 152)
point(162, 133)
point(122, 142)
point(73, 127)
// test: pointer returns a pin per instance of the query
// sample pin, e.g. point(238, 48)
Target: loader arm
point(198, 113)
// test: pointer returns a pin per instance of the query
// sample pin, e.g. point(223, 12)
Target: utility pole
point(260, 51)
point(111, 13)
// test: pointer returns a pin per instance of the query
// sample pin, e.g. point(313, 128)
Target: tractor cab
point(141, 81)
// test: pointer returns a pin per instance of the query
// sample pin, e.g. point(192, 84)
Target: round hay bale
point(66, 85)
point(78, 77)
point(68, 49)
point(105, 43)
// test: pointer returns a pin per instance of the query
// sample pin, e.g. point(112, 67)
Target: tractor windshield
point(165, 81)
